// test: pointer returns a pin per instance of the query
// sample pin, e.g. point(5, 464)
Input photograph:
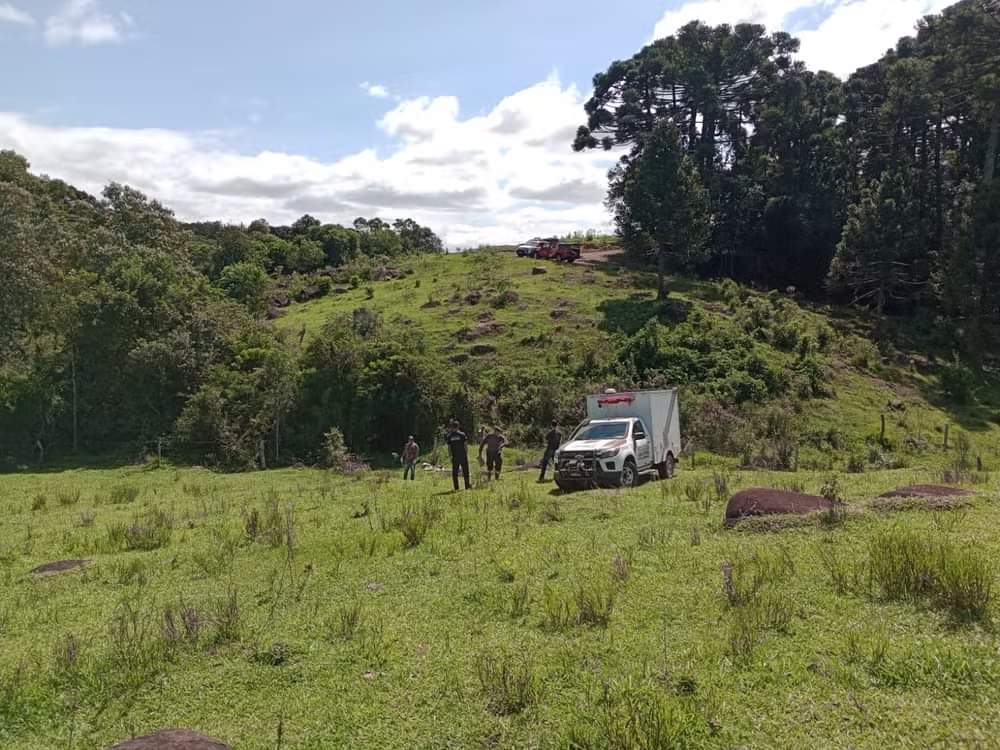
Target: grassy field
point(363, 612)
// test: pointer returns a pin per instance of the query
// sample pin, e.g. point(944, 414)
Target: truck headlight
point(609, 453)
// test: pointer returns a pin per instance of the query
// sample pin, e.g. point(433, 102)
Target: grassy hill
point(300, 608)
point(481, 310)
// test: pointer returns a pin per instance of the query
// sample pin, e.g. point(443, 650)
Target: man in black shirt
point(459, 454)
point(552, 442)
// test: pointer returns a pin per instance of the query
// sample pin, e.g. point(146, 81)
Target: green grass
point(516, 619)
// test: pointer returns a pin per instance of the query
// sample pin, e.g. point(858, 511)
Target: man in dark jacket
point(552, 442)
point(457, 441)
point(493, 443)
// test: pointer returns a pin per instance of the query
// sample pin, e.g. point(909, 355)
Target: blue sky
point(459, 114)
point(288, 74)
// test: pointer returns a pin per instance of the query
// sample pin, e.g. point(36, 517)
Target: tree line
point(123, 324)
point(741, 162)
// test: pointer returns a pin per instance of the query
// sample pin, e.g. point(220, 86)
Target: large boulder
point(766, 502)
point(172, 739)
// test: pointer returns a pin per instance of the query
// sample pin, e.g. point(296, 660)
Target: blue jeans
point(410, 468)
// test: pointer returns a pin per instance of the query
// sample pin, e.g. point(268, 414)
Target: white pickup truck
point(625, 435)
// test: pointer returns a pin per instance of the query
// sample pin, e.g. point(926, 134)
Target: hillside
point(481, 312)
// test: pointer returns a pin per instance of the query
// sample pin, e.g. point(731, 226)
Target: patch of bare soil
point(59, 566)
point(172, 739)
point(484, 328)
point(767, 502)
point(927, 490)
point(595, 256)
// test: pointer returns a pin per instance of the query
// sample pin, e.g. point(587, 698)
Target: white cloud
point(495, 177)
point(851, 33)
point(85, 22)
point(11, 14)
point(376, 90)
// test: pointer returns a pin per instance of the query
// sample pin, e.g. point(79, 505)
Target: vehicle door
point(643, 445)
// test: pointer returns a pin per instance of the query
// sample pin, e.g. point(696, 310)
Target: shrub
point(508, 682)
point(335, 453)
point(958, 382)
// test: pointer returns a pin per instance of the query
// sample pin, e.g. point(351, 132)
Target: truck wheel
point(630, 475)
point(564, 486)
point(666, 469)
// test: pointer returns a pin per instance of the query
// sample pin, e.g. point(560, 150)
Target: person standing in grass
point(409, 457)
point(457, 444)
point(552, 442)
point(493, 442)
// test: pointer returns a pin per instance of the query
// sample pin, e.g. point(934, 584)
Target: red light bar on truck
point(618, 398)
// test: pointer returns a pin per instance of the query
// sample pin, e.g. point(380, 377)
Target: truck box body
point(658, 410)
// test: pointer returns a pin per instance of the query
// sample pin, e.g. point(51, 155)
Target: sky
point(458, 114)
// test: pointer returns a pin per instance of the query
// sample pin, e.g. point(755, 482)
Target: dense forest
point(124, 326)
point(742, 162)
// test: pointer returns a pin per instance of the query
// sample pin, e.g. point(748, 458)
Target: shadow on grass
point(632, 313)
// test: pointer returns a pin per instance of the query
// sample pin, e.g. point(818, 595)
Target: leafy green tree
point(246, 283)
point(659, 204)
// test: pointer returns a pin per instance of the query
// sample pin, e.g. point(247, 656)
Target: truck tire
point(666, 469)
point(565, 486)
point(630, 474)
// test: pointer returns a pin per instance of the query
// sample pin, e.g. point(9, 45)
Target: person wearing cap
point(457, 444)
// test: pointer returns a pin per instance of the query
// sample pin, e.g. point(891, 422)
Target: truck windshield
point(603, 431)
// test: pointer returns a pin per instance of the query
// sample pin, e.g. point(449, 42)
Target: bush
point(958, 382)
point(335, 454)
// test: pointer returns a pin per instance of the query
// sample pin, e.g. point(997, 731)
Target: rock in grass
point(59, 566)
point(766, 502)
point(539, 271)
point(172, 739)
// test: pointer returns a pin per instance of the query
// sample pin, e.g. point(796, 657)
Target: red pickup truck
point(553, 249)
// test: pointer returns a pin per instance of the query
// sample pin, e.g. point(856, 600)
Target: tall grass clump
point(149, 532)
point(122, 494)
point(906, 565)
point(414, 521)
point(507, 681)
point(637, 718)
